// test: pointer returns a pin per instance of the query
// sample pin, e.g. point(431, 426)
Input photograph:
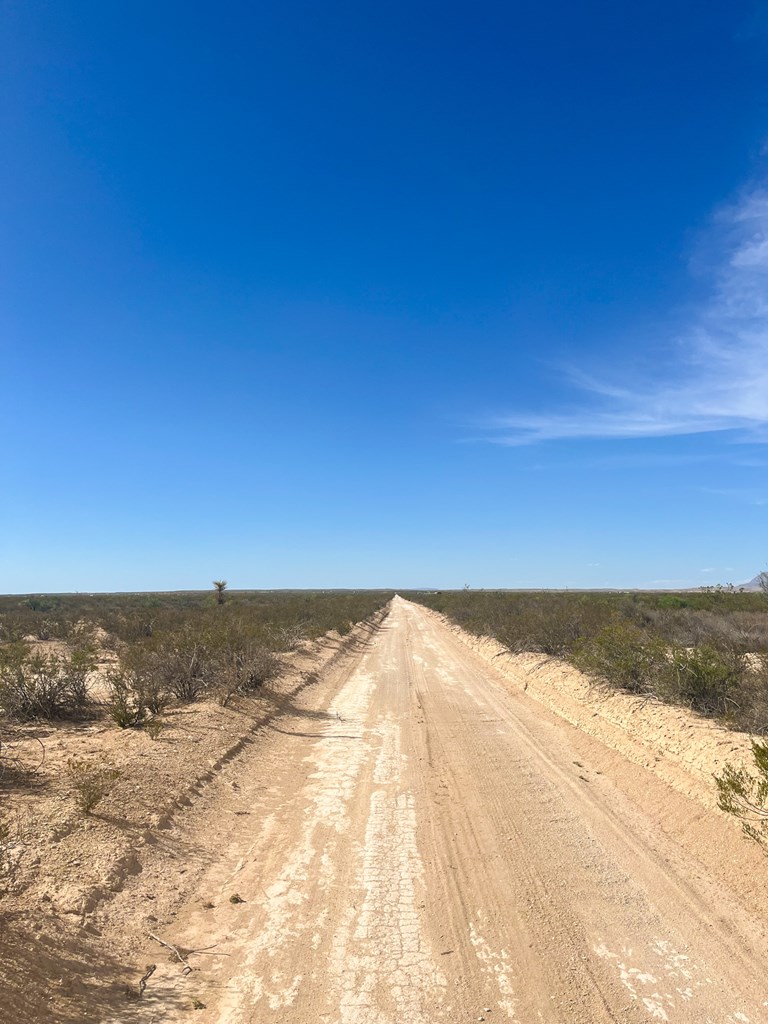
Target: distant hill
point(754, 583)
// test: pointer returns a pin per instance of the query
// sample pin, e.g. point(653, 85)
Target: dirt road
point(428, 847)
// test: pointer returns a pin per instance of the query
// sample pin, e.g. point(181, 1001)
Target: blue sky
point(383, 295)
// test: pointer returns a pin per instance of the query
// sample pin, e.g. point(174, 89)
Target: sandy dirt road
point(428, 847)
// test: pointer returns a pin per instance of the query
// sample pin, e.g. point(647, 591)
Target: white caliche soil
point(416, 839)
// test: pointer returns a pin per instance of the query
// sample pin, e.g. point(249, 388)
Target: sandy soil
point(416, 838)
point(59, 960)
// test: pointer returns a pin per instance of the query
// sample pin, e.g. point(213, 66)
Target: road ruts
point(427, 847)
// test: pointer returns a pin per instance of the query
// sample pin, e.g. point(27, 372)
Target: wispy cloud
point(720, 381)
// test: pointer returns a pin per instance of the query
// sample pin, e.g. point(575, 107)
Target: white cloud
point(721, 379)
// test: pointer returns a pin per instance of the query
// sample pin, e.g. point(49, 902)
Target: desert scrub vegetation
point(706, 679)
point(91, 781)
point(128, 658)
point(707, 651)
point(745, 795)
point(126, 704)
point(163, 648)
point(217, 658)
point(38, 685)
point(127, 617)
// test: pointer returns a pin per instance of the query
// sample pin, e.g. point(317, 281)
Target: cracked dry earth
point(426, 848)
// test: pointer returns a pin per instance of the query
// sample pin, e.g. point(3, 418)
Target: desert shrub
point(623, 656)
point(76, 668)
point(748, 702)
point(255, 666)
point(91, 781)
point(31, 686)
point(227, 686)
point(126, 705)
point(559, 629)
point(131, 626)
point(704, 678)
point(43, 686)
point(752, 630)
point(740, 631)
point(148, 675)
point(223, 657)
point(289, 637)
point(153, 728)
point(11, 654)
point(154, 695)
point(746, 795)
point(47, 630)
point(12, 629)
point(132, 618)
point(243, 670)
point(180, 666)
point(672, 601)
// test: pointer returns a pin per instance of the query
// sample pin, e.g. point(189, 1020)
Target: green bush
point(748, 702)
point(143, 668)
point(702, 678)
point(623, 656)
point(746, 796)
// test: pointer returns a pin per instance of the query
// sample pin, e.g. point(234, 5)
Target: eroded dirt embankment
point(679, 747)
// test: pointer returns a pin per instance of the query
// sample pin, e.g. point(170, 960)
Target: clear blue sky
point(399, 294)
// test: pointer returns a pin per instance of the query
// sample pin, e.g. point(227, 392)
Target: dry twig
point(187, 966)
